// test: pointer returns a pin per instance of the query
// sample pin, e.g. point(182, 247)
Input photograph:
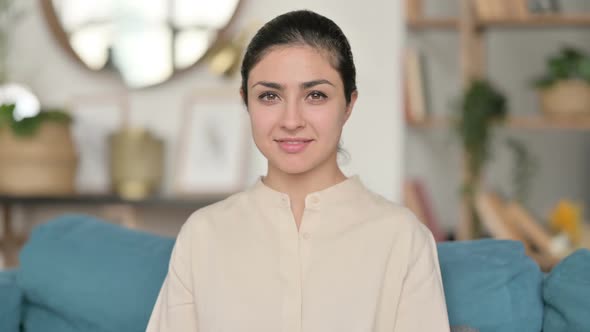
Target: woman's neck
point(298, 186)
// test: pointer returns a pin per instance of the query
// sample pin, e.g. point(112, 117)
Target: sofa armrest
point(11, 300)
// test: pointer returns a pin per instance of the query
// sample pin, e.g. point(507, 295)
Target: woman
point(305, 248)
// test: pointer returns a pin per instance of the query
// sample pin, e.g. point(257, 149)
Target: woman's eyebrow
point(310, 84)
point(271, 85)
point(304, 85)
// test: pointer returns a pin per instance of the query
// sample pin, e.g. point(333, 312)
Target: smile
point(293, 145)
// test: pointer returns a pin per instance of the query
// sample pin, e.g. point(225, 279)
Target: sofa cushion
point(566, 292)
point(10, 302)
point(491, 285)
point(39, 318)
point(92, 274)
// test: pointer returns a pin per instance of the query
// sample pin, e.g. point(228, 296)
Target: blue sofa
point(79, 273)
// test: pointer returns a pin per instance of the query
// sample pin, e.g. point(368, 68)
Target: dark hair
point(302, 27)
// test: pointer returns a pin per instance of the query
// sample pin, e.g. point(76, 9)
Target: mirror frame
point(51, 19)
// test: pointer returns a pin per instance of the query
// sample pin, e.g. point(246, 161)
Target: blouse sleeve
point(422, 305)
point(174, 309)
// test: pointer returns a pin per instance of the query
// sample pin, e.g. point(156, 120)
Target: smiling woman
point(145, 41)
point(306, 248)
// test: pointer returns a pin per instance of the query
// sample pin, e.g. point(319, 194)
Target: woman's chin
point(293, 168)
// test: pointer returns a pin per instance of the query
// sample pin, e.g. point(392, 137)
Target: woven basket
point(567, 98)
point(44, 164)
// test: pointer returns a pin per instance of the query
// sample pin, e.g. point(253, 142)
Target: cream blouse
point(358, 263)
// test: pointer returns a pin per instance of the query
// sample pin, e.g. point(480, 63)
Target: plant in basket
point(37, 153)
point(564, 88)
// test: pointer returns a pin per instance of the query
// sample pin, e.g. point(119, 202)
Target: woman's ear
point(243, 95)
point(353, 96)
point(244, 98)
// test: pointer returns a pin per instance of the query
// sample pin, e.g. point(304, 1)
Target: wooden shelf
point(432, 23)
point(538, 21)
point(543, 122)
point(430, 122)
point(533, 21)
point(530, 122)
point(155, 201)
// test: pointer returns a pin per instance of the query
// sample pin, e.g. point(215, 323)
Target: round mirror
point(145, 41)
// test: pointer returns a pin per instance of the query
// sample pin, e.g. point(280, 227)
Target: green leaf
point(28, 126)
point(567, 64)
point(6, 111)
point(584, 69)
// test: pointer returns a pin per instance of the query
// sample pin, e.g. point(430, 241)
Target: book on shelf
point(537, 235)
point(491, 211)
point(413, 9)
point(510, 221)
point(414, 86)
point(501, 9)
point(417, 199)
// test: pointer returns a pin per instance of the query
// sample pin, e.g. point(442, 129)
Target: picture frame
point(214, 144)
point(95, 117)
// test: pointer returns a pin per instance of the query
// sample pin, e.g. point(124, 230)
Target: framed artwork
point(214, 144)
point(95, 117)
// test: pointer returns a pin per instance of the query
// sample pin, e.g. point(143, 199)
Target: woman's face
point(297, 109)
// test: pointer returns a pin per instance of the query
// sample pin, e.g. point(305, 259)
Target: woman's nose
point(293, 117)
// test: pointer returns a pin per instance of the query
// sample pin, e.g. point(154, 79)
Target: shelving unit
point(432, 23)
point(10, 242)
point(533, 21)
point(472, 56)
point(530, 122)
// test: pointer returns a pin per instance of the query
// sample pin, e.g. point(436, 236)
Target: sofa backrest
point(79, 273)
point(491, 285)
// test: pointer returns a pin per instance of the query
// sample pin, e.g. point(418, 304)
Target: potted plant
point(37, 153)
point(481, 106)
point(565, 87)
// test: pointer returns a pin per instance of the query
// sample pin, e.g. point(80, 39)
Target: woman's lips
point(293, 145)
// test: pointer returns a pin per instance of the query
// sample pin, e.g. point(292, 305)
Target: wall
point(514, 58)
point(373, 136)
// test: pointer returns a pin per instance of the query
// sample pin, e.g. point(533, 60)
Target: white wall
point(373, 136)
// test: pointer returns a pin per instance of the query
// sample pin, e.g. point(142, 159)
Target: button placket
point(306, 239)
point(290, 267)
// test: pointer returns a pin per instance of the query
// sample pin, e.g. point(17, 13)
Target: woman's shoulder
point(401, 218)
point(235, 203)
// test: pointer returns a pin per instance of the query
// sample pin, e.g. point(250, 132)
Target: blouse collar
point(347, 190)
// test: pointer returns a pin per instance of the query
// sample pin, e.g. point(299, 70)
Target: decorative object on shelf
point(214, 144)
point(417, 199)
point(565, 87)
point(37, 154)
point(501, 9)
point(414, 87)
point(95, 118)
point(482, 106)
point(136, 162)
point(544, 6)
point(147, 42)
point(414, 9)
point(566, 218)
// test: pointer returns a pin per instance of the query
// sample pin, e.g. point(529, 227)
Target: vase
point(136, 163)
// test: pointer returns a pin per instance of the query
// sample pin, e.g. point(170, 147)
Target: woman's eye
point(316, 95)
point(268, 96)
